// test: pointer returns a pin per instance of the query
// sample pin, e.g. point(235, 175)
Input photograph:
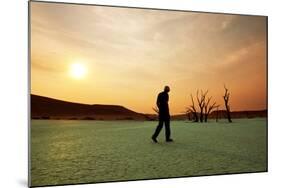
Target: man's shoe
point(154, 140)
point(169, 140)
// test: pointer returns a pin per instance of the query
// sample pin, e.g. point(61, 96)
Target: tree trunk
point(195, 116)
point(228, 113)
point(217, 114)
point(226, 100)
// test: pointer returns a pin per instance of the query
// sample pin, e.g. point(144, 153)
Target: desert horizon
point(111, 111)
point(183, 112)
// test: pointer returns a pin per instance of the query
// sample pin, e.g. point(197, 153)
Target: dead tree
point(192, 109)
point(209, 108)
point(189, 116)
point(206, 105)
point(217, 114)
point(226, 100)
point(201, 103)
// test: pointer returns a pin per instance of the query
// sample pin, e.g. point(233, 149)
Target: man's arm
point(158, 101)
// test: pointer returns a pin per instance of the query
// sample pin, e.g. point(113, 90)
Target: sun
point(78, 70)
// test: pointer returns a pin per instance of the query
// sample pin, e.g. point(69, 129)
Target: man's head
point(167, 89)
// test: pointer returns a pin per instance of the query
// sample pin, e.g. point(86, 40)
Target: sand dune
point(48, 108)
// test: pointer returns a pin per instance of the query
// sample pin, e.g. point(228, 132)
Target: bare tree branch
point(201, 102)
point(192, 109)
point(209, 108)
point(226, 100)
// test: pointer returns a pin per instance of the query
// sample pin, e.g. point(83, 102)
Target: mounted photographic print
point(120, 93)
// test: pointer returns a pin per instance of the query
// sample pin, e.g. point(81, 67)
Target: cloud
point(227, 22)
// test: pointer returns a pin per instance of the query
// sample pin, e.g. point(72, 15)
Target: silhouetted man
point(164, 115)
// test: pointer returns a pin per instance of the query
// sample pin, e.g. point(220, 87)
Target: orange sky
point(131, 54)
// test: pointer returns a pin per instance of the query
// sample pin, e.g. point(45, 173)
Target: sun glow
point(78, 70)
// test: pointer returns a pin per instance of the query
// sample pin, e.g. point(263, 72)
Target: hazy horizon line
point(241, 110)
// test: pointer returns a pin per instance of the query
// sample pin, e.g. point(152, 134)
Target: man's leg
point(168, 130)
point(158, 129)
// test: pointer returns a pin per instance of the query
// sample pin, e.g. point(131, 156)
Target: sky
point(128, 55)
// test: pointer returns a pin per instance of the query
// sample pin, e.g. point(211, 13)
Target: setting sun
point(105, 58)
point(77, 70)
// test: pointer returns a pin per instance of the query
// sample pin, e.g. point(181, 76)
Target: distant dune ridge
point(48, 108)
